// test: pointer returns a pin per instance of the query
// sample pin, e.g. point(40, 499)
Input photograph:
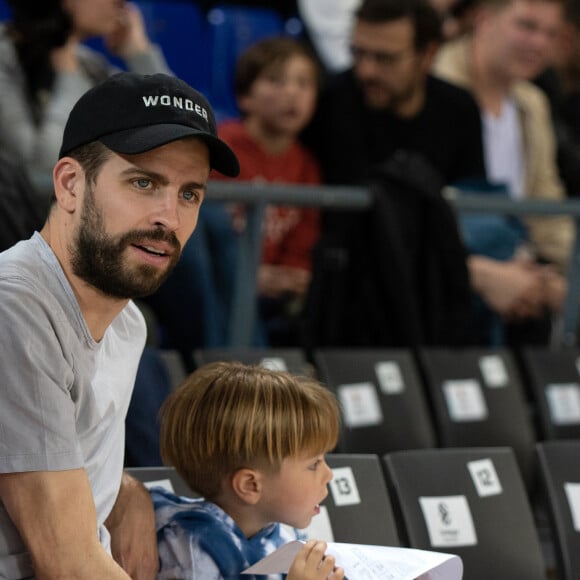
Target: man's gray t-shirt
point(64, 396)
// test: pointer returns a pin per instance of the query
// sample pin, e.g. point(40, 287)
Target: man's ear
point(428, 56)
point(247, 485)
point(69, 183)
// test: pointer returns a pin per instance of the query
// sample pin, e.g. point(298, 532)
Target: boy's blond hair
point(227, 415)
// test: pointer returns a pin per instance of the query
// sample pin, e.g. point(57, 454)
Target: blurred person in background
point(276, 87)
point(512, 42)
point(277, 83)
point(457, 16)
point(561, 83)
point(45, 68)
point(386, 121)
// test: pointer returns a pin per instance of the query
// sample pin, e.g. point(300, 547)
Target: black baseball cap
point(132, 113)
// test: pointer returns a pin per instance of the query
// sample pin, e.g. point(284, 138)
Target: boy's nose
point(329, 473)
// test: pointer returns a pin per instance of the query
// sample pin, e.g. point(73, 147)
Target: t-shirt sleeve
point(37, 414)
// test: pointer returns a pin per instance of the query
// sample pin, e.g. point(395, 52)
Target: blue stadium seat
point(232, 29)
point(4, 10)
point(179, 27)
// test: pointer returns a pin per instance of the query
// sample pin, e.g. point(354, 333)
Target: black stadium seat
point(382, 399)
point(471, 502)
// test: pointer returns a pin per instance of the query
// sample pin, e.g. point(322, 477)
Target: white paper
point(343, 487)
point(360, 405)
point(573, 496)
point(564, 403)
point(493, 370)
point(363, 562)
point(389, 377)
point(465, 401)
point(449, 521)
point(485, 477)
point(164, 483)
point(274, 363)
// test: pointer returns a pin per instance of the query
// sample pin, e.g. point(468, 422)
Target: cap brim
point(141, 139)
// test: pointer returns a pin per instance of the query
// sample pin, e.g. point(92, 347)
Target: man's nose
point(166, 212)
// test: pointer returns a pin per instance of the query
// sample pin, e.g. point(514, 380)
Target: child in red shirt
point(277, 86)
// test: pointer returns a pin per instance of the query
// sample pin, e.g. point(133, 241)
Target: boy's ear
point(242, 101)
point(428, 55)
point(247, 485)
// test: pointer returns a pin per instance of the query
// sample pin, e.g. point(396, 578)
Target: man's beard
point(391, 100)
point(97, 258)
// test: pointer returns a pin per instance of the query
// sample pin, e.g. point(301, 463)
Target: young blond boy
point(251, 441)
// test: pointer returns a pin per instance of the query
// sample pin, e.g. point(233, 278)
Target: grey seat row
point(395, 399)
point(467, 501)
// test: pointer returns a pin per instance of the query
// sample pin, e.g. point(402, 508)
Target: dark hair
point(460, 7)
point(36, 28)
point(426, 20)
point(273, 51)
point(91, 158)
point(572, 13)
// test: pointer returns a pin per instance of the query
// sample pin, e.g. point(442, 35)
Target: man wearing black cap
point(135, 159)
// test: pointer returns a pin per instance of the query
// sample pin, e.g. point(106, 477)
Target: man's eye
point(189, 195)
point(143, 183)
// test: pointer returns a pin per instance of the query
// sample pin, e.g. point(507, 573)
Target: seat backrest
point(162, 476)
point(382, 399)
point(559, 472)
point(357, 509)
point(180, 29)
point(5, 11)
point(554, 379)
point(292, 360)
point(479, 400)
point(471, 502)
point(231, 30)
point(174, 365)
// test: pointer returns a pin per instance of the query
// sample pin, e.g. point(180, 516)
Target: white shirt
point(503, 149)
